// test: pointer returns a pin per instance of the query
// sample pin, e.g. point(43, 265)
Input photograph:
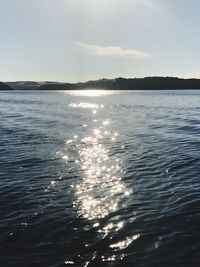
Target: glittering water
point(100, 178)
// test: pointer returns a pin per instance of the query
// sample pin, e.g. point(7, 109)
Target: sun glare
point(91, 93)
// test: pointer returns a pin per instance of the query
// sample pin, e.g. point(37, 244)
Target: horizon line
point(98, 79)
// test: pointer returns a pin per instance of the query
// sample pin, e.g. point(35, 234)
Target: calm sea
point(100, 179)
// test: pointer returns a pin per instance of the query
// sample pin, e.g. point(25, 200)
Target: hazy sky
point(78, 40)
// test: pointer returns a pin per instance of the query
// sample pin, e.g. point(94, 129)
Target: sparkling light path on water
point(101, 189)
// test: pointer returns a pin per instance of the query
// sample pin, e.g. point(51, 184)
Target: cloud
point(111, 51)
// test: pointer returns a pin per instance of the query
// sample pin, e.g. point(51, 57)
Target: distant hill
point(157, 83)
point(4, 86)
point(147, 83)
point(56, 86)
point(31, 85)
point(23, 85)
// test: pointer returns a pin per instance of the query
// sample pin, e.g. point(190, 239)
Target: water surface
point(100, 178)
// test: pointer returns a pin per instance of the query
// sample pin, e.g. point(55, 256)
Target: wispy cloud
point(111, 51)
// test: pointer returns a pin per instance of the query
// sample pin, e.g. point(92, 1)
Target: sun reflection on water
point(101, 188)
point(86, 105)
point(100, 191)
point(125, 243)
point(91, 92)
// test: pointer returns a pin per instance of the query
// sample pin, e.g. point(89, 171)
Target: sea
point(100, 178)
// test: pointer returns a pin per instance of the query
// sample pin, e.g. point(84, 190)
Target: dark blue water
point(100, 179)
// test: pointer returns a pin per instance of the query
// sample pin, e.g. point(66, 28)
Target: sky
point(80, 40)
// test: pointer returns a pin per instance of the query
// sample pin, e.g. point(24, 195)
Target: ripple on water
point(99, 179)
